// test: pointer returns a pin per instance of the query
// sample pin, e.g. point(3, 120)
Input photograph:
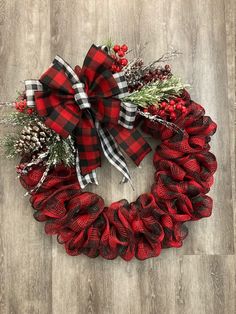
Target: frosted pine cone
point(134, 72)
point(34, 137)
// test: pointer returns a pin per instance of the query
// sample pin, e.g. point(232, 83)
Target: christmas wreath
point(69, 117)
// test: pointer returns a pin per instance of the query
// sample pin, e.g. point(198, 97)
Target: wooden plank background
point(36, 276)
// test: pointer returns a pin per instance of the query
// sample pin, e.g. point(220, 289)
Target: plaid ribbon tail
point(131, 141)
point(88, 145)
point(112, 152)
point(86, 179)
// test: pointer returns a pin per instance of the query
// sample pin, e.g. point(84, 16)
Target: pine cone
point(34, 137)
point(133, 73)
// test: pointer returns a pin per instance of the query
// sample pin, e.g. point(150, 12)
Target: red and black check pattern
point(184, 169)
point(62, 108)
point(131, 141)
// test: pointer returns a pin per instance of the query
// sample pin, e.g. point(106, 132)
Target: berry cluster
point(20, 169)
point(21, 106)
point(137, 75)
point(159, 73)
point(118, 56)
point(168, 110)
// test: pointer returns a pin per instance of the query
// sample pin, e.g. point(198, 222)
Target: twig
point(170, 55)
point(158, 119)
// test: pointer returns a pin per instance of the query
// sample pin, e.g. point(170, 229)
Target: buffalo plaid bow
point(87, 103)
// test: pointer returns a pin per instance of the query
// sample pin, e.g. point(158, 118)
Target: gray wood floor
point(36, 276)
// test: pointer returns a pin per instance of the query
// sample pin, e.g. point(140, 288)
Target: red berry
point(156, 111)
point(29, 110)
point(172, 102)
point(183, 102)
point(20, 105)
point(121, 53)
point(179, 106)
point(183, 109)
point(152, 109)
point(161, 113)
point(116, 48)
point(163, 104)
point(173, 116)
point(124, 61)
point(124, 48)
point(113, 68)
point(145, 110)
point(171, 109)
point(118, 69)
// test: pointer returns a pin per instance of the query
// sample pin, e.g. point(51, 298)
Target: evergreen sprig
point(61, 150)
point(157, 91)
point(17, 118)
point(7, 143)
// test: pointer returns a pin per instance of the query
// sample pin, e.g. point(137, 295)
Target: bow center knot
point(81, 98)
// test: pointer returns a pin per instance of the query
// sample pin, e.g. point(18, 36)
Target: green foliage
point(17, 118)
point(109, 43)
point(7, 144)
point(156, 92)
point(61, 151)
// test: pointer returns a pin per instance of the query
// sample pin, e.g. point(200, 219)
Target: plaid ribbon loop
point(80, 96)
point(87, 103)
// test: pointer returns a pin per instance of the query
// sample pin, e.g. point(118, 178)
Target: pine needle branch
point(7, 143)
point(61, 151)
point(156, 92)
point(17, 118)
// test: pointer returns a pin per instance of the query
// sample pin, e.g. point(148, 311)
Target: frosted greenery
point(157, 91)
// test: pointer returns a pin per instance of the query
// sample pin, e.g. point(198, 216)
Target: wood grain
point(36, 276)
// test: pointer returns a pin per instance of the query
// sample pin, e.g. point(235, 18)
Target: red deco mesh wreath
point(184, 169)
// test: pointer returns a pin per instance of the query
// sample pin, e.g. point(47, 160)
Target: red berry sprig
point(20, 169)
point(21, 106)
point(168, 109)
point(118, 56)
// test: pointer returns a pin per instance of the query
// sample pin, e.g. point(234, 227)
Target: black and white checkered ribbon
point(108, 144)
point(32, 86)
point(127, 110)
point(112, 152)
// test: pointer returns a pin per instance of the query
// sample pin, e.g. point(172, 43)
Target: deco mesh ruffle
point(183, 175)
